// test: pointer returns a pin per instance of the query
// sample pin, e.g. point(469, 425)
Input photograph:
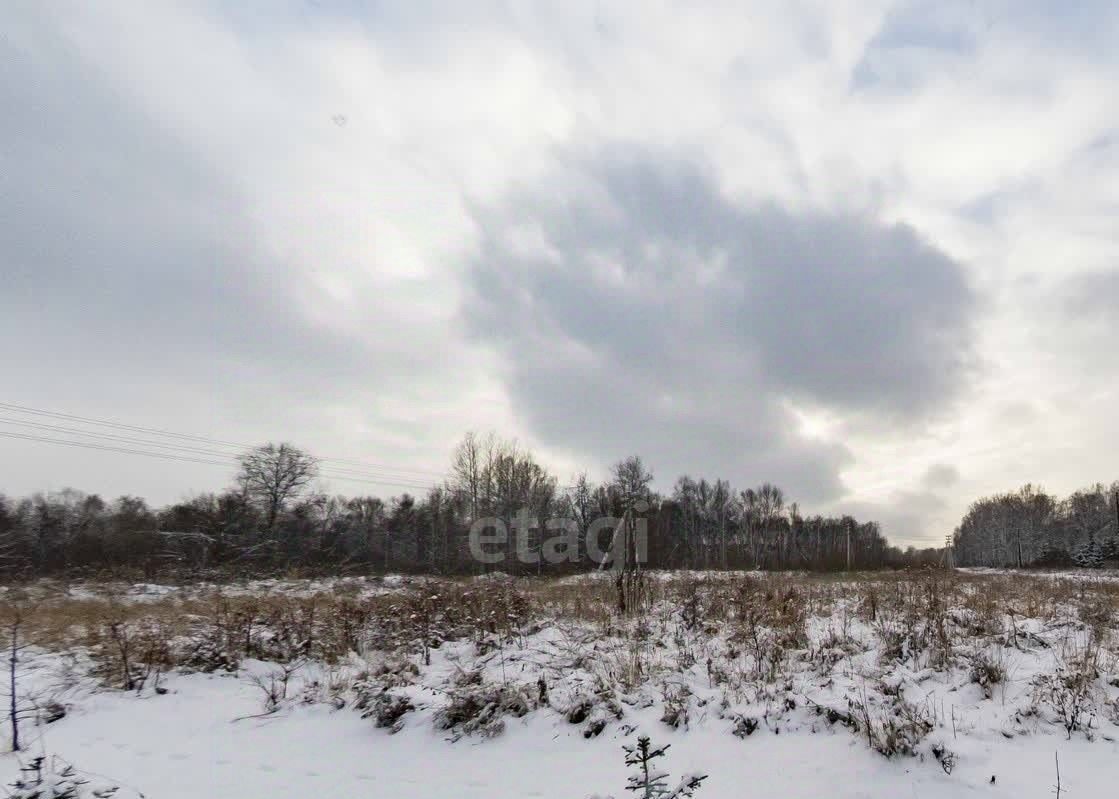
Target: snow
point(185, 745)
point(1078, 575)
point(209, 735)
point(358, 587)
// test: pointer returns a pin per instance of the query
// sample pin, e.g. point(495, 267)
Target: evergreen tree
point(1052, 554)
point(651, 782)
point(41, 780)
point(1089, 556)
point(1110, 549)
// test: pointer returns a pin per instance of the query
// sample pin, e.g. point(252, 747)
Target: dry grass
point(755, 650)
point(938, 608)
point(746, 632)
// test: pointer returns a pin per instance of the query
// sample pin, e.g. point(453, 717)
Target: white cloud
point(260, 225)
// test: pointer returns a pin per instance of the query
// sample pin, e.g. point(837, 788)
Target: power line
point(107, 448)
point(113, 437)
point(403, 472)
point(230, 461)
point(203, 439)
point(116, 438)
point(119, 425)
point(340, 473)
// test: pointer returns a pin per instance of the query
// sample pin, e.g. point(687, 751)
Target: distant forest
point(273, 521)
point(1033, 528)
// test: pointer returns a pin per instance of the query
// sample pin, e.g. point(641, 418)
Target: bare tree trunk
point(13, 708)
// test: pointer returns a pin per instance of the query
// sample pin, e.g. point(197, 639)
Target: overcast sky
point(867, 250)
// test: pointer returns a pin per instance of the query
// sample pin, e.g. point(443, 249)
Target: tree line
point(1030, 527)
point(273, 519)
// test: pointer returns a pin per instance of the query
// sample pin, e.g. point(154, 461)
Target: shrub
point(1071, 693)
point(898, 730)
point(744, 726)
point(388, 711)
point(677, 704)
point(986, 672)
point(480, 709)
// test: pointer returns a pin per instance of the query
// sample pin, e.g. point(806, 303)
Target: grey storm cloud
point(640, 309)
point(125, 250)
point(923, 40)
point(941, 475)
point(1092, 296)
point(521, 225)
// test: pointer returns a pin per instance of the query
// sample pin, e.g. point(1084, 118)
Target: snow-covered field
point(794, 686)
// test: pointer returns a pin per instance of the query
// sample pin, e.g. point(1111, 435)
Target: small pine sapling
point(42, 780)
point(648, 782)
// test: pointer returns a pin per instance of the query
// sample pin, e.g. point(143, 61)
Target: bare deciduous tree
point(632, 483)
point(632, 480)
point(273, 474)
